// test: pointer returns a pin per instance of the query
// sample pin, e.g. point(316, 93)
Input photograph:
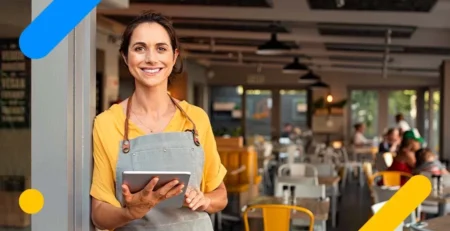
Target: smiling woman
point(156, 133)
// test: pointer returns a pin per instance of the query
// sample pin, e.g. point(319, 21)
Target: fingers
point(126, 193)
point(190, 195)
point(193, 204)
point(161, 193)
point(175, 191)
point(150, 186)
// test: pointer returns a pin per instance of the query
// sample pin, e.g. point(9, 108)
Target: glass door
point(258, 113)
point(294, 109)
point(364, 109)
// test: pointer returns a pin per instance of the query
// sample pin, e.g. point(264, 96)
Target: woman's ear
point(124, 59)
point(175, 55)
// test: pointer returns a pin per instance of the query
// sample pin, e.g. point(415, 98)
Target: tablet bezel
point(137, 180)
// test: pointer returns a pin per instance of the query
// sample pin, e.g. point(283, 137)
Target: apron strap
point(126, 141)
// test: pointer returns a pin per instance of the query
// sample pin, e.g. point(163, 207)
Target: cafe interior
point(311, 102)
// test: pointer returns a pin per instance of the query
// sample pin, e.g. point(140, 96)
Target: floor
point(353, 210)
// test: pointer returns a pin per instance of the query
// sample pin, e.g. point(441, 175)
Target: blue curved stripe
point(54, 23)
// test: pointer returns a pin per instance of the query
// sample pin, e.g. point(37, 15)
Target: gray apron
point(170, 151)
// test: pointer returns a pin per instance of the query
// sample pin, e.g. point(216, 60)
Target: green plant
point(322, 104)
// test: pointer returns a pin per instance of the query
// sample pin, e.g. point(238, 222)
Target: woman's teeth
point(152, 71)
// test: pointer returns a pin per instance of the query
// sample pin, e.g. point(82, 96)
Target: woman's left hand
point(196, 200)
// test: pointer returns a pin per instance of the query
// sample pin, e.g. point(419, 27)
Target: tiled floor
point(353, 210)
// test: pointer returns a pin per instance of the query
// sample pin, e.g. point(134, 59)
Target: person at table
point(427, 161)
point(391, 141)
point(287, 131)
point(405, 160)
point(151, 130)
point(359, 139)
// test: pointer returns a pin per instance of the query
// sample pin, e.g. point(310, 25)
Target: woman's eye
point(162, 49)
point(139, 49)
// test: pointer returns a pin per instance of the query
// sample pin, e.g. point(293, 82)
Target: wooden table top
point(319, 208)
point(436, 224)
point(444, 198)
point(326, 180)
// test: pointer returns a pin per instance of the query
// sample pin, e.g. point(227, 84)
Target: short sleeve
point(103, 183)
point(214, 170)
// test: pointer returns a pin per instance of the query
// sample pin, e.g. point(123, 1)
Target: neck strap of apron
point(126, 143)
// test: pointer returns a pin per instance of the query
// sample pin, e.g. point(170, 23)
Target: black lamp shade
point(295, 67)
point(319, 85)
point(309, 77)
point(273, 47)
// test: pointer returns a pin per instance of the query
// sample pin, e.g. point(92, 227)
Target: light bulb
point(329, 98)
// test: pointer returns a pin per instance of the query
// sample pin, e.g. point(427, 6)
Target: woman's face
point(150, 55)
point(394, 136)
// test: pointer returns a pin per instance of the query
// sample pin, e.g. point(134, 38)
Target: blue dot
point(54, 23)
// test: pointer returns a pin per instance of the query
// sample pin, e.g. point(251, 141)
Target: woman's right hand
point(138, 204)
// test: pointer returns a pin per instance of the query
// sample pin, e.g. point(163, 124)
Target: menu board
point(15, 86)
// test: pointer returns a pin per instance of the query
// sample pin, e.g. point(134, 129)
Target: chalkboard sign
point(15, 86)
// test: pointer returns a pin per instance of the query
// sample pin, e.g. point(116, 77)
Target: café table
point(328, 181)
point(435, 224)
point(442, 199)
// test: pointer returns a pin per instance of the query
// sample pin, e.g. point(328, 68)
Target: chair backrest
point(302, 190)
point(277, 216)
point(298, 169)
point(382, 194)
point(376, 207)
point(325, 169)
point(291, 151)
point(390, 178)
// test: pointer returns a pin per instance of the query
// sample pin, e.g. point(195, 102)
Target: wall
point(340, 82)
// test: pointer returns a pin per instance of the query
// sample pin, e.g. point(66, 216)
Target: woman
point(405, 160)
point(153, 131)
point(391, 141)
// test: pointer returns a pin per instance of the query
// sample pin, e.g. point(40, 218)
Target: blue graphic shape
point(54, 23)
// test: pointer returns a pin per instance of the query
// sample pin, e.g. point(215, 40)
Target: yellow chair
point(276, 217)
point(390, 178)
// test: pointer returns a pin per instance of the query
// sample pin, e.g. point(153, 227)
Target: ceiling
point(322, 33)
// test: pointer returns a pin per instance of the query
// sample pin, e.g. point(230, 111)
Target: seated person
point(427, 161)
point(391, 141)
point(405, 160)
point(358, 138)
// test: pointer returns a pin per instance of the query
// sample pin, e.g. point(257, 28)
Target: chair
point(390, 178)
point(277, 217)
point(298, 169)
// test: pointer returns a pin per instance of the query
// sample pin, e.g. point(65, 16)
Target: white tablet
point(137, 180)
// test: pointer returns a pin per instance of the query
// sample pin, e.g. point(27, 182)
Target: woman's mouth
point(151, 70)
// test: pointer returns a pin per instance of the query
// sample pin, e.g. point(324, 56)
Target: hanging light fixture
point(295, 67)
point(273, 47)
point(319, 85)
point(309, 77)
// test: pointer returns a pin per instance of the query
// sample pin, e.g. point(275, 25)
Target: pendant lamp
point(309, 77)
point(319, 85)
point(273, 47)
point(294, 67)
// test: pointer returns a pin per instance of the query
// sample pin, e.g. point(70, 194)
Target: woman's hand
point(196, 200)
point(140, 203)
